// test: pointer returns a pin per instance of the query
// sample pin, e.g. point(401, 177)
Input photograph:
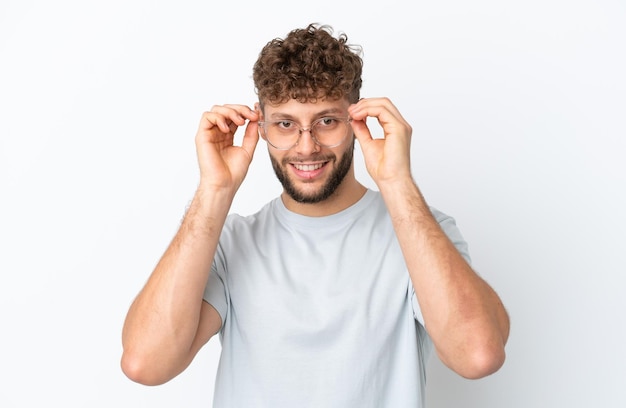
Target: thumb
point(361, 131)
point(250, 138)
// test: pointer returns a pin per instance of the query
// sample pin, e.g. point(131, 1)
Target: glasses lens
point(282, 134)
point(330, 131)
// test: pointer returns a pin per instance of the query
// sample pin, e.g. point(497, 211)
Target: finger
point(384, 111)
point(213, 119)
point(361, 131)
point(382, 101)
point(225, 116)
point(237, 113)
point(380, 108)
point(250, 138)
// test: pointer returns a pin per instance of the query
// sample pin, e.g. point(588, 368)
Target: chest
point(319, 284)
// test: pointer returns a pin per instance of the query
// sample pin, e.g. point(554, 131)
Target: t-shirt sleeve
point(215, 293)
point(448, 224)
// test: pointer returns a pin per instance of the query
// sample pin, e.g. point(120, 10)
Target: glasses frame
point(263, 125)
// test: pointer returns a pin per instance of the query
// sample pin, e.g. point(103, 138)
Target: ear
point(259, 111)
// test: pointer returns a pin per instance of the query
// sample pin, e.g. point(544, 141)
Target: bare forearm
point(462, 313)
point(163, 321)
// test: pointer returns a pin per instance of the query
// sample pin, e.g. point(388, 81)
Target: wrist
point(210, 202)
point(398, 186)
point(403, 196)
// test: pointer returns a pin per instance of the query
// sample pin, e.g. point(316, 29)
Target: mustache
point(318, 157)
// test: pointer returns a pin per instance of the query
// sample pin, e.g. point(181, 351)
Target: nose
point(306, 143)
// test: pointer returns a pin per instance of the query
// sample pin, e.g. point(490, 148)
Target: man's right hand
point(222, 164)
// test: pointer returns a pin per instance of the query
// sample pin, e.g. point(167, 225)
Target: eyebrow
point(320, 114)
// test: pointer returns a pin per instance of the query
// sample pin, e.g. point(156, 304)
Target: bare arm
point(169, 322)
point(462, 313)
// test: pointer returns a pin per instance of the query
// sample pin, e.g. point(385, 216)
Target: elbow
point(139, 370)
point(473, 357)
point(482, 362)
point(482, 352)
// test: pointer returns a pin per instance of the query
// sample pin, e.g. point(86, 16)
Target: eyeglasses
point(326, 132)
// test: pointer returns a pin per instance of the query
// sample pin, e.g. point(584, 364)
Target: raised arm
point(169, 322)
point(462, 313)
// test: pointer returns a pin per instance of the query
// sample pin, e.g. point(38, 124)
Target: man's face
point(308, 172)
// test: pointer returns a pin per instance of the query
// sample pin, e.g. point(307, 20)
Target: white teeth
point(308, 167)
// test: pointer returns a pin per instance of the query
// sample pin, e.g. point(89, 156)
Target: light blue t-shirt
point(318, 312)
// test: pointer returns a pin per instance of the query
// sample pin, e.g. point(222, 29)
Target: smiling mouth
point(308, 167)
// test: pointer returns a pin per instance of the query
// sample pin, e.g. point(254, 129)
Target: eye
point(327, 122)
point(284, 124)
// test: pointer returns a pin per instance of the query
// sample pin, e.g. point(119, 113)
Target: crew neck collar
point(337, 218)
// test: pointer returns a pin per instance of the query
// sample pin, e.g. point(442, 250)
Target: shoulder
point(237, 223)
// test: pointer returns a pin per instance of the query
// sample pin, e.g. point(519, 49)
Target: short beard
point(333, 182)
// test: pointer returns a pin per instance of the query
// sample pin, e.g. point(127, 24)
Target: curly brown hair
point(307, 65)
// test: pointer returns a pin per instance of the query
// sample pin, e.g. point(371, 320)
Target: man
point(332, 295)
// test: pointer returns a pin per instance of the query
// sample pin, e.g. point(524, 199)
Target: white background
point(519, 117)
